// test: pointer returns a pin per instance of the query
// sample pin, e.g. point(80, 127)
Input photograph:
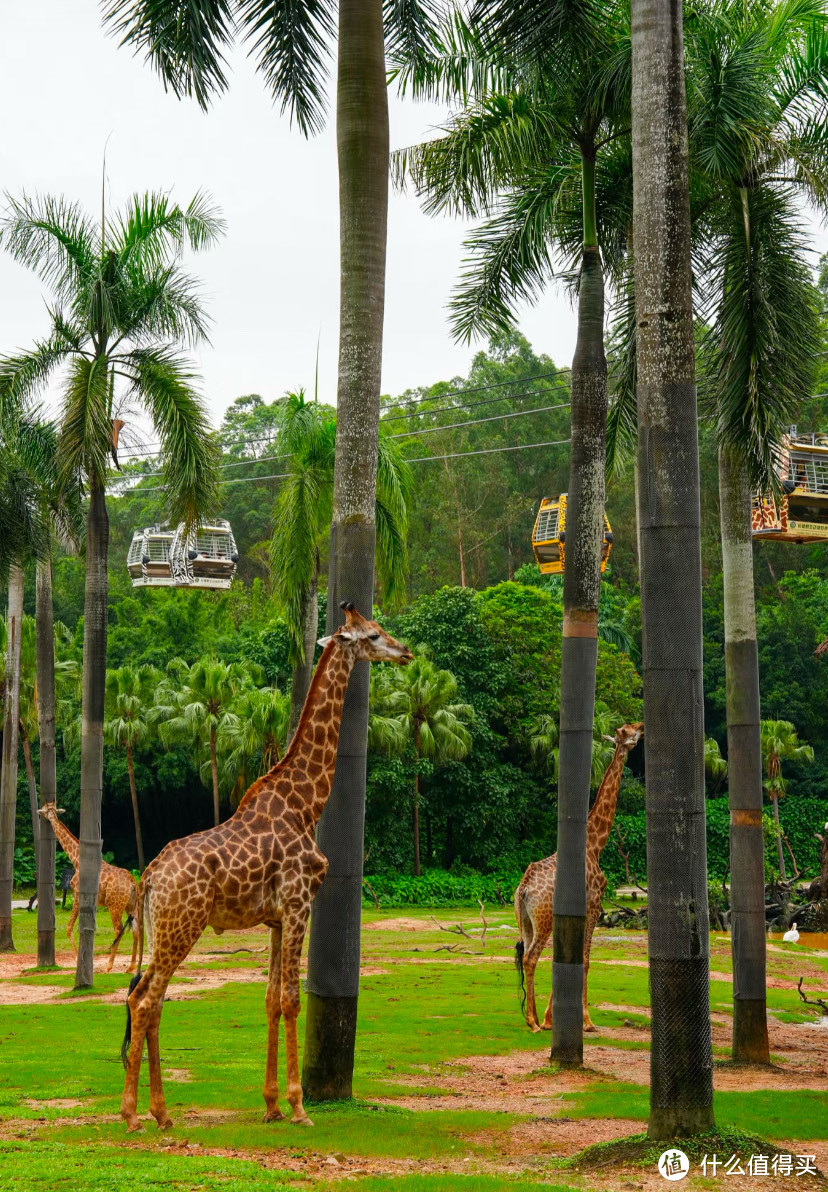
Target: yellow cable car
point(801, 515)
point(549, 537)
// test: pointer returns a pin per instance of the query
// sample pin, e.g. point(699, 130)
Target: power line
point(161, 488)
point(487, 451)
point(430, 430)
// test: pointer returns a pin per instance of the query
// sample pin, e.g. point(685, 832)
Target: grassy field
point(452, 1091)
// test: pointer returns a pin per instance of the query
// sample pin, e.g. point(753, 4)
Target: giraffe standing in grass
point(117, 888)
point(535, 895)
point(262, 866)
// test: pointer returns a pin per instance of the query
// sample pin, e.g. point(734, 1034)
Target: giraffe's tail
point(521, 974)
point(143, 902)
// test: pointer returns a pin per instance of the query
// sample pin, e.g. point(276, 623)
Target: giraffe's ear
point(323, 641)
point(610, 739)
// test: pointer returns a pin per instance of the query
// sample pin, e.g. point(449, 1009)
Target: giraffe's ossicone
point(534, 897)
point(262, 866)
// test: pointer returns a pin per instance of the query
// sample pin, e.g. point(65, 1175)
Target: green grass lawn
point(61, 1077)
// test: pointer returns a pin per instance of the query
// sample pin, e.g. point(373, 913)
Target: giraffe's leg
point(530, 963)
point(293, 934)
point(118, 926)
point(593, 914)
point(147, 995)
point(131, 968)
point(158, 1106)
point(73, 914)
point(273, 1004)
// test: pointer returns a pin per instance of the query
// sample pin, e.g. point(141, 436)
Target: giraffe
point(117, 888)
point(262, 866)
point(535, 894)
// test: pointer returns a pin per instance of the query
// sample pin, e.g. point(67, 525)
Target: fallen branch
point(232, 951)
point(485, 923)
point(818, 1002)
point(367, 886)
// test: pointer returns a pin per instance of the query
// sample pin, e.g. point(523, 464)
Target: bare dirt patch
point(53, 1103)
point(401, 924)
point(178, 1075)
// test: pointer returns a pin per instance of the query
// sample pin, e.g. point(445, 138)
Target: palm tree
point(307, 434)
point(8, 776)
point(122, 302)
point(715, 766)
point(780, 743)
point(130, 698)
point(292, 44)
point(681, 1085)
point(196, 703)
point(757, 79)
point(253, 739)
point(541, 151)
point(416, 705)
point(544, 742)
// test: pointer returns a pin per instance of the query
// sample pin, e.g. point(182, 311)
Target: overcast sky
point(272, 286)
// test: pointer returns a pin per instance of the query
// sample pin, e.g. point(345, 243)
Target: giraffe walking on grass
point(117, 888)
point(535, 895)
point(262, 866)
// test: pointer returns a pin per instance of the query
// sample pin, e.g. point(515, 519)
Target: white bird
point(792, 936)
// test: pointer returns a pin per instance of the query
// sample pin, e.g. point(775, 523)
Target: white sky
point(273, 284)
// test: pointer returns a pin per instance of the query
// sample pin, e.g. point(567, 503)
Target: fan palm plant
point(542, 157)
point(130, 698)
point(307, 434)
point(417, 704)
point(253, 739)
point(292, 46)
point(122, 302)
point(780, 743)
point(196, 703)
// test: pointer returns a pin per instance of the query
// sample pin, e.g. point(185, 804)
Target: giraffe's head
point(50, 812)
point(367, 641)
point(627, 736)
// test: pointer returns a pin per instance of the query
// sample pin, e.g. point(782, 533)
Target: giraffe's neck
point(599, 824)
point(311, 757)
point(68, 842)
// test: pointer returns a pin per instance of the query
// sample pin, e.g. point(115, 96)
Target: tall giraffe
point(117, 888)
point(535, 894)
point(262, 866)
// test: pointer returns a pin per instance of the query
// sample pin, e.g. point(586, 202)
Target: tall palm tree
point(681, 1080)
point(122, 304)
point(780, 743)
point(757, 78)
point(292, 45)
point(417, 705)
point(8, 775)
point(539, 153)
point(307, 434)
point(253, 739)
point(196, 703)
point(130, 698)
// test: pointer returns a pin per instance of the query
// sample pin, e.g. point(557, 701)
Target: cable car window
point(810, 471)
point(548, 552)
point(158, 548)
point(800, 509)
point(135, 549)
point(547, 526)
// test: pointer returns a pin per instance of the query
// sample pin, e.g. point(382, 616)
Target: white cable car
point(205, 557)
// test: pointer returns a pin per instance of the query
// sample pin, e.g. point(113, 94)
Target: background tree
point(195, 703)
point(253, 739)
point(780, 743)
point(130, 698)
point(121, 304)
point(681, 1083)
point(418, 704)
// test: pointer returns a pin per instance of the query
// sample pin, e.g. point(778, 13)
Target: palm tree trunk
point(579, 648)
point(8, 776)
point(417, 803)
point(45, 677)
point(303, 671)
point(744, 751)
point(779, 851)
point(92, 715)
point(681, 1084)
point(362, 145)
point(139, 842)
point(30, 776)
point(214, 770)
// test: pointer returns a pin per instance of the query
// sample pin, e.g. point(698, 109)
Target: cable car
point(549, 537)
point(801, 514)
point(160, 557)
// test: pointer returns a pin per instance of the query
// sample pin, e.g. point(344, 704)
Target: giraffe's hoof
point(534, 1027)
point(273, 1115)
point(134, 1126)
point(301, 1119)
point(589, 1029)
point(546, 1026)
point(165, 1123)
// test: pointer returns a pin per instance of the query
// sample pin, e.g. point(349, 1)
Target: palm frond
point(85, 429)
point(456, 66)
point(291, 43)
point(152, 231)
point(184, 41)
point(53, 238)
point(189, 452)
point(301, 516)
point(622, 416)
point(25, 375)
